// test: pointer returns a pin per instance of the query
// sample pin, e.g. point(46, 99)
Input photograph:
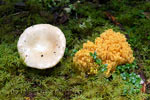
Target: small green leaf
point(104, 68)
point(74, 50)
point(94, 57)
point(66, 51)
point(98, 61)
point(91, 54)
point(95, 53)
point(105, 65)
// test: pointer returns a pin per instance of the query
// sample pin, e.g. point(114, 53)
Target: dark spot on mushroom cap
point(41, 55)
point(54, 52)
point(26, 55)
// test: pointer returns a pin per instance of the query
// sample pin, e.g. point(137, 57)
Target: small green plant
point(127, 67)
point(70, 52)
point(103, 67)
point(132, 80)
point(73, 52)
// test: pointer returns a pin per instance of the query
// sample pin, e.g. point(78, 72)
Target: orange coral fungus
point(84, 62)
point(111, 47)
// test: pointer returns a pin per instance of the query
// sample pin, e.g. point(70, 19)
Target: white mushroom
point(41, 46)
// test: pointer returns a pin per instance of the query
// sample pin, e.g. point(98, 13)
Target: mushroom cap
point(41, 46)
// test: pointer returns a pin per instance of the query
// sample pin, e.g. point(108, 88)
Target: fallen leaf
point(141, 73)
point(148, 86)
point(143, 88)
point(147, 14)
point(63, 19)
point(113, 19)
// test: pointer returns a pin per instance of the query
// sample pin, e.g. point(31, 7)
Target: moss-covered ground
point(85, 21)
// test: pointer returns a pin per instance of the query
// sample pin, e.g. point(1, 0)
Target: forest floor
point(80, 20)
